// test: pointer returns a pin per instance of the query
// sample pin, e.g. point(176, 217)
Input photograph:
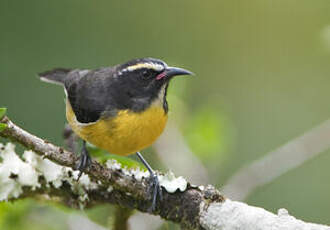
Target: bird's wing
point(89, 93)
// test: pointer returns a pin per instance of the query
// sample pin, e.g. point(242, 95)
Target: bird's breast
point(123, 134)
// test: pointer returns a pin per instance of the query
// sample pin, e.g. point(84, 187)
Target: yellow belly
point(124, 134)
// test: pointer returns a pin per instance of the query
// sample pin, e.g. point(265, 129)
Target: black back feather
point(56, 76)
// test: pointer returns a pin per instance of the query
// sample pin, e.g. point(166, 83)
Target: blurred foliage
point(102, 215)
point(103, 156)
point(29, 215)
point(208, 133)
point(262, 78)
point(2, 126)
point(2, 112)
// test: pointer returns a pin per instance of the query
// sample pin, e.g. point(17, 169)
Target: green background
point(262, 78)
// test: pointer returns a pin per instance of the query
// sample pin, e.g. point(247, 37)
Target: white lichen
point(139, 174)
point(167, 181)
point(232, 215)
point(110, 188)
point(282, 212)
point(112, 164)
point(172, 183)
point(16, 173)
point(50, 171)
point(201, 187)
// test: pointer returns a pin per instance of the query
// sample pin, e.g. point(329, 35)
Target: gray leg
point(155, 188)
point(84, 161)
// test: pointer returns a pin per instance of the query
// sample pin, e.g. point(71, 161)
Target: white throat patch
point(159, 100)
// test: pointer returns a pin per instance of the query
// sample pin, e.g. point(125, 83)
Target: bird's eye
point(145, 74)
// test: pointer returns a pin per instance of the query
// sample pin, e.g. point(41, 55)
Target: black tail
point(55, 76)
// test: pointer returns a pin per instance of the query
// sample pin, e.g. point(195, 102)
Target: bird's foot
point(155, 190)
point(84, 162)
point(154, 187)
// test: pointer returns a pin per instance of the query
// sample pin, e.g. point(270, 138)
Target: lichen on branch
point(111, 182)
point(48, 170)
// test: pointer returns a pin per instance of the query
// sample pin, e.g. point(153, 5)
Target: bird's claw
point(84, 161)
point(156, 190)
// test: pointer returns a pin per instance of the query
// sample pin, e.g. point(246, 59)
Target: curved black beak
point(175, 71)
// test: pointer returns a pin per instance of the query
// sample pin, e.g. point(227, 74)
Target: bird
point(121, 109)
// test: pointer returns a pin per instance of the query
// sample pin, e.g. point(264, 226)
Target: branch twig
point(276, 163)
point(128, 191)
point(193, 208)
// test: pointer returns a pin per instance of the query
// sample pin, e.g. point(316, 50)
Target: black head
point(143, 79)
point(147, 70)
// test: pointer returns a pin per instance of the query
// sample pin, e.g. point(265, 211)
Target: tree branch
point(190, 206)
point(276, 163)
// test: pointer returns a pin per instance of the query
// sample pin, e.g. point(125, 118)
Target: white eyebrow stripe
point(148, 65)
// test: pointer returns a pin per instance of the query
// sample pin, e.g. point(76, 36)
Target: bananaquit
point(121, 109)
